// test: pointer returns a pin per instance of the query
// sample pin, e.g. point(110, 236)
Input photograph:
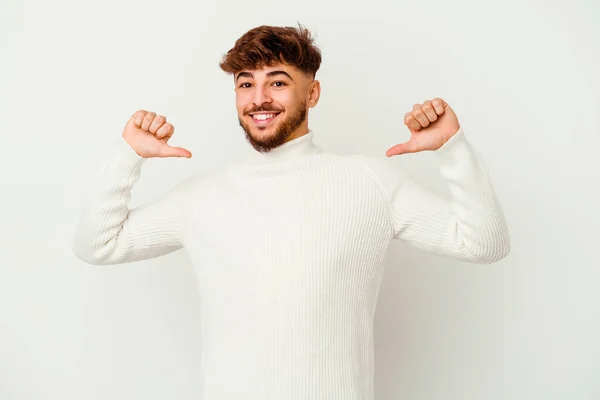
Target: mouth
point(263, 119)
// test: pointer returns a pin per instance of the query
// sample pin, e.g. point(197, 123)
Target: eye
point(245, 85)
point(279, 84)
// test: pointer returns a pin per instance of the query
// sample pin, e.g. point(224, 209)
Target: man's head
point(274, 71)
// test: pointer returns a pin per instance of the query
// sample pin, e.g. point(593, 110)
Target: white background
point(522, 77)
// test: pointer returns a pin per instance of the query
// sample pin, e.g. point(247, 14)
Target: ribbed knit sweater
point(289, 248)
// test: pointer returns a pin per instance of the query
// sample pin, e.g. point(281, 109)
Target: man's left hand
point(431, 125)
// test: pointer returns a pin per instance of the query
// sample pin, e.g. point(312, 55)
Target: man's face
point(272, 104)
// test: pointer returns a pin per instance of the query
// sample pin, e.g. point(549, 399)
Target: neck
point(301, 131)
point(296, 146)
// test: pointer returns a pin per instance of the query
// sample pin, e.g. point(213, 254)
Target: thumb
point(171, 151)
point(402, 148)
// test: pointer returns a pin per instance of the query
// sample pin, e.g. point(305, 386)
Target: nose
point(261, 95)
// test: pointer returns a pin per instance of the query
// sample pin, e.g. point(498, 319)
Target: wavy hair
point(266, 46)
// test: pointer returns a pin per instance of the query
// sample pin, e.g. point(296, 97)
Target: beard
point(283, 131)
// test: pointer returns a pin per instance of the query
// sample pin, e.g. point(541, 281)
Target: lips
point(264, 118)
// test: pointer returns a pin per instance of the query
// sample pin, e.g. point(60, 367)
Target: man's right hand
point(148, 134)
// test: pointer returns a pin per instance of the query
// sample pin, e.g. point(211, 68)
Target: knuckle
point(138, 116)
point(165, 130)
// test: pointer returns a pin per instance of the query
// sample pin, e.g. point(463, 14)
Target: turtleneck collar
point(294, 149)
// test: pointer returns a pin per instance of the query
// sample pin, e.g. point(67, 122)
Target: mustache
point(263, 108)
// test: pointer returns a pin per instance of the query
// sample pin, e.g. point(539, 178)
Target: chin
point(262, 133)
point(273, 134)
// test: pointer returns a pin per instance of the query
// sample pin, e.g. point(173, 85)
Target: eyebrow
point(269, 74)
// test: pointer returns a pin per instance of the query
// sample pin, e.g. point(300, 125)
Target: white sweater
point(289, 250)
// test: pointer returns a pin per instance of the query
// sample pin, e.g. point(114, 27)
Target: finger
point(418, 114)
point(147, 121)
point(158, 121)
point(165, 131)
point(171, 151)
point(402, 148)
point(131, 121)
point(137, 117)
point(429, 112)
point(439, 105)
point(411, 122)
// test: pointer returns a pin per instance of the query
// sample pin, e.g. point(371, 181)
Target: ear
point(314, 93)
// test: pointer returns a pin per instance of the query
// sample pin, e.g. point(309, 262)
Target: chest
point(272, 216)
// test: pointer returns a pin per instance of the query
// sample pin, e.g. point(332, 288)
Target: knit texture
point(289, 248)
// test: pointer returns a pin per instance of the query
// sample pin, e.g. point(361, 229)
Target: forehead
point(268, 71)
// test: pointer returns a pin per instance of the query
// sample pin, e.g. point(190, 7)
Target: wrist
point(128, 151)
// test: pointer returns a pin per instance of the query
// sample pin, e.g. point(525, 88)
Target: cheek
point(285, 100)
point(241, 105)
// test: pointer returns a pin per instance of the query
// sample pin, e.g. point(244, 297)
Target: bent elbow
point(88, 253)
point(502, 245)
point(500, 252)
point(84, 255)
point(492, 251)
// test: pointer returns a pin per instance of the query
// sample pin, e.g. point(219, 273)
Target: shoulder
point(190, 187)
point(382, 170)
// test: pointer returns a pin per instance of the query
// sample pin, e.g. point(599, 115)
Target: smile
point(263, 119)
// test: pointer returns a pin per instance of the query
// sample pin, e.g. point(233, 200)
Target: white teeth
point(262, 117)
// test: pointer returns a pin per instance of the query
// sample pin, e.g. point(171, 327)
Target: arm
point(108, 232)
point(470, 226)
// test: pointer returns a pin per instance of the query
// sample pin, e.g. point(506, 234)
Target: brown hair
point(265, 46)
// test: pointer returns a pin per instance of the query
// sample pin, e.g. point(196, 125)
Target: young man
point(290, 245)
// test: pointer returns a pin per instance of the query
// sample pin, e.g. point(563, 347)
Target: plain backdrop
point(522, 77)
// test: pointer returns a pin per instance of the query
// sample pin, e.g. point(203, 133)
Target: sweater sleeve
point(108, 232)
point(470, 226)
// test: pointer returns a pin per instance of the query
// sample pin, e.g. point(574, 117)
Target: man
point(289, 246)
